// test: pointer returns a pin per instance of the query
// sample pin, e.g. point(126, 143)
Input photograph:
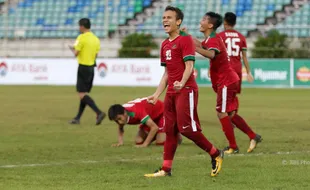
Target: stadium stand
point(299, 18)
point(58, 18)
point(249, 12)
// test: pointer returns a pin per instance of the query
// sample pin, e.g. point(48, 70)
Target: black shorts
point(85, 77)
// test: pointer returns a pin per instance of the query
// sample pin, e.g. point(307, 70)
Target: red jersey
point(221, 70)
point(235, 43)
point(174, 54)
point(139, 111)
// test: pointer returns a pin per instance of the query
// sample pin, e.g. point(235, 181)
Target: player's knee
point(81, 95)
point(139, 140)
point(160, 143)
point(232, 114)
point(221, 115)
point(160, 138)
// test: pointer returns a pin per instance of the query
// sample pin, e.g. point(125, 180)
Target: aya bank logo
point(102, 69)
point(3, 69)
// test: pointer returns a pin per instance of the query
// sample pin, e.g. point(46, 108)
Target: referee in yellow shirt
point(86, 48)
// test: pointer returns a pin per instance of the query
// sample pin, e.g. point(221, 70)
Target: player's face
point(121, 119)
point(225, 25)
point(82, 29)
point(170, 21)
point(205, 24)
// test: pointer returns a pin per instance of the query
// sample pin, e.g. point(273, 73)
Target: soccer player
point(225, 82)
point(139, 111)
point(236, 45)
point(86, 48)
point(180, 104)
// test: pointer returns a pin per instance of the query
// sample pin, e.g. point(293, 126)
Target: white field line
point(148, 159)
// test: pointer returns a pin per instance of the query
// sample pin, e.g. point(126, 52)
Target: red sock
point(170, 147)
point(200, 140)
point(243, 126)
point(229, 131)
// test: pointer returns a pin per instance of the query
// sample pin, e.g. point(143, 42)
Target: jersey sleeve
point(98, 46)
point(213, 44)
point(78, 45)
point(243, 44)
point(188, 48)
point(162, 57)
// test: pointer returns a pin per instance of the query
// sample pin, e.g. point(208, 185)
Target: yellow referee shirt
point(88, 46)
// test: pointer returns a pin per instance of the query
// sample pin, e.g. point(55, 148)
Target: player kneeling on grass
point(139, 111)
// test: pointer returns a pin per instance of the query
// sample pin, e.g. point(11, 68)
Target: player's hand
point(117, 145)
point(250, 77)
point(184, 29)
point(152, 99)
point(141, 146)
point(177, 85)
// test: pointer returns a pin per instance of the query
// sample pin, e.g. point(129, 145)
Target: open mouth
point(166, 26)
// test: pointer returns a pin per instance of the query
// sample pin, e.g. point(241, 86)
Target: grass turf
point(34, 130)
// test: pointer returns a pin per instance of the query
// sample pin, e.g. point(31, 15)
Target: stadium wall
point(270, 73)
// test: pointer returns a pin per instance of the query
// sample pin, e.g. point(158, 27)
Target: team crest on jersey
point(174, 46)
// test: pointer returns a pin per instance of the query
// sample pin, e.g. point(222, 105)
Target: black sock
point(81, 110)
point(90, 102)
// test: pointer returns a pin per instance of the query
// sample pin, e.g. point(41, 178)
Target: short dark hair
point(115, 110)
point(180, 14)
point(230, 18)
point(215, 18)
point(85, 22)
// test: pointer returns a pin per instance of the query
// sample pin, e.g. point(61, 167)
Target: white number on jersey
point(232, 48)
point(133, 102)
point(168, 54)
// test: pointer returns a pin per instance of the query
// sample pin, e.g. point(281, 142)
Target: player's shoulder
point(184, 35)
point(222, 34)
point(164, 42)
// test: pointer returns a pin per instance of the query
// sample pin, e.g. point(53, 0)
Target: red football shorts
point(226, 100)
point(180, 112)
point(159, 122)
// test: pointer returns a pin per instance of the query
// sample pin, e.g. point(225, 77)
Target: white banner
point(109, 72)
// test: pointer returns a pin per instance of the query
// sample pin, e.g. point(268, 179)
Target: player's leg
point(160, 139)
point(189, 126)
point(241, 124)
point(81, 89)
point(225, 98)
point(161, 135)
point(88, 76)
point(171, 142)
point(141, 135)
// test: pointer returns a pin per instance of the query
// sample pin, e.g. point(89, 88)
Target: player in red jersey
point(180, 105)
point(225, 82)
point(139, 111)
point(236, 45)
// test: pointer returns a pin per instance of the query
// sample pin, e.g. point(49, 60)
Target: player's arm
point(153, 131)
point(77, 47)
point(120, 136)
point(206, 53)
point(189, 66)
point(246, 62)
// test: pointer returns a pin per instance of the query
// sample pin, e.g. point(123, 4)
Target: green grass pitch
point(39, 150)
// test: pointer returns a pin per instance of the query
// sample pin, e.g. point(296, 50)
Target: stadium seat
point(51, 15)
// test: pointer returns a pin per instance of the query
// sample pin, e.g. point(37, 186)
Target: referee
point(86, 48)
